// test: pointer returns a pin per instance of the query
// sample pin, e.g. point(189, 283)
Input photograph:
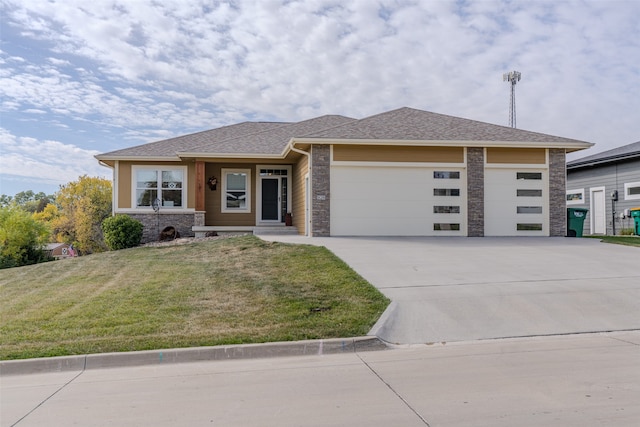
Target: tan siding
point(298, 195)
point(124, 185)
point(524, 156)
point(374, 153)
point(212, 199)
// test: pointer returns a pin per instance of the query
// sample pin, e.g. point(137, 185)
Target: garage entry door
point(397, 201)
point(516, 202)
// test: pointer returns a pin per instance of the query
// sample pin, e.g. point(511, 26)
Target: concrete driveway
point(460, 289)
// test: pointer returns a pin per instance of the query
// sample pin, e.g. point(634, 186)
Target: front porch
point(279, 229)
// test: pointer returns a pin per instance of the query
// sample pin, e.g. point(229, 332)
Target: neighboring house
point(405, 172)
point(593, 182)
point(59, 250)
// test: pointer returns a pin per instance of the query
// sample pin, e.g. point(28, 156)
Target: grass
point(226, 291)
point(619, 240)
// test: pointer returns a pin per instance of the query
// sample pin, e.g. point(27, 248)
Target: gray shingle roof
point(411, 124)
point(629, 151)
point(270, 139)
point(169, 147)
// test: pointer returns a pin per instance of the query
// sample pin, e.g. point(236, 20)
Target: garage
point(397, 201)
point(516, 202)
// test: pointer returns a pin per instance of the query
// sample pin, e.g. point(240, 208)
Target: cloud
point(46, 161)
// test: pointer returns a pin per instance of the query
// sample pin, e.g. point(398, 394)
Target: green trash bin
point(575, 221)
point(635, 214)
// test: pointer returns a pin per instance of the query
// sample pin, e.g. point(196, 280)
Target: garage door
point(397, 201)
point(516, 202)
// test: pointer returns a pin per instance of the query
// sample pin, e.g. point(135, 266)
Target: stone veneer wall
point(475, 192)
point(150, 232)
point(557, 193)
point(320, 190)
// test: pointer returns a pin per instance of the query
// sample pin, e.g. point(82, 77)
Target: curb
point(192, 354)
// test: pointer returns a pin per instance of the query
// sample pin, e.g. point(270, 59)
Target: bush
point(21, 238)
point(121, 232)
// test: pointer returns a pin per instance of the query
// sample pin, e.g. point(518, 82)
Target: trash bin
point(635, 214)
point(575, 221)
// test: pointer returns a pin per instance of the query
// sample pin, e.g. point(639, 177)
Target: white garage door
point(516, 202)
point(397, 201)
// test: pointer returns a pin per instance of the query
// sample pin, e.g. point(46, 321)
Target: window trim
point(158, 169)
point(582, 201)
point(223, 194)
point(627, 186)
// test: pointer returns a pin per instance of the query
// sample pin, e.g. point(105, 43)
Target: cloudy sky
point(78, 77)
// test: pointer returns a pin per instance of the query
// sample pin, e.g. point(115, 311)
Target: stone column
point(557, 193)
point(475, 192)
point(320, 190)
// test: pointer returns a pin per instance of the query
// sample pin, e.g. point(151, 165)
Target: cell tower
point(512, 77)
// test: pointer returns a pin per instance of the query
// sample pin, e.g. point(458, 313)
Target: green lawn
point(226, 291)
point(619, 240)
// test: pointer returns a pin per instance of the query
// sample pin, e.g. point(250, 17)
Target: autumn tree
point(83, 205)
point(21, 238)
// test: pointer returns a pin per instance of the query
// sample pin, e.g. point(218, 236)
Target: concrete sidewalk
point(552, 381)
point(462, 289)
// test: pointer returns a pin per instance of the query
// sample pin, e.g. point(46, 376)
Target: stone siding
point(557, 193)
point(321, 190)
point(475, 192)
point(154, 223)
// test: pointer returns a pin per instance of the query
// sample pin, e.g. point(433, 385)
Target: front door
point(271, 199)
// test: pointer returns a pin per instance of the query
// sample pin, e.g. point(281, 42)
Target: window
point(446, 227)
point(529, 209)
point(162, 186)
point(446, 175)
point(575, 197)
point(446, 209)
point(236, 196)
point(632, 191)
point(529, 227)
point(529, 175)
point(446, 191)
point(529, 193)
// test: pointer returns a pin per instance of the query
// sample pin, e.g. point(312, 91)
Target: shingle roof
point(629, 151)
point(271, 139)
point(411, 124)
point(169, 147)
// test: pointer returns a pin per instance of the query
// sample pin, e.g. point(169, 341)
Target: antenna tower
point(512, 77)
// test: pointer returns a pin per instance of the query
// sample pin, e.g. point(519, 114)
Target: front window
point(575, 197)
point(161, 186)
point(236, 194)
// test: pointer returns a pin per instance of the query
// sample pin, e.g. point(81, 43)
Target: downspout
point(308, 155)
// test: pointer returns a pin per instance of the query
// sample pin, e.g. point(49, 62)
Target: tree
point(28, 200)
point(83, 205)
point(21, 238)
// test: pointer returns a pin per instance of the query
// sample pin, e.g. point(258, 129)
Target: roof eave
point(228, 155)
point(595, 162)
point(106, 157)
point(568, 145)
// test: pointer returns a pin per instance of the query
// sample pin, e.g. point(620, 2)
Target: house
point(607, 184)
point(404, 172)
point(59, 250)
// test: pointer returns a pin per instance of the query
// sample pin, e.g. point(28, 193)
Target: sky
point(80, 78)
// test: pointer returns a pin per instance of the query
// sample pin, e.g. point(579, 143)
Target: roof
point(267, 139)
point(626, 152)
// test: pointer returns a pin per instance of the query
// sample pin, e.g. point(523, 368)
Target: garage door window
point(446, 209)
point(446, 175)
point(529, 193)
point(440, 226)
point(446, 192)
point(529, 175)
point(529, 209)
point(529, 227)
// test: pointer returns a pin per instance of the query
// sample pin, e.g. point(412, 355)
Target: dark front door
point(270, 199)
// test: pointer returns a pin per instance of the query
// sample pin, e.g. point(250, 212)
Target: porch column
point(320, 187)
point(200, 186)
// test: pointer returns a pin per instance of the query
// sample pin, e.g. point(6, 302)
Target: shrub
point(121, 232)
point(21, 238)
